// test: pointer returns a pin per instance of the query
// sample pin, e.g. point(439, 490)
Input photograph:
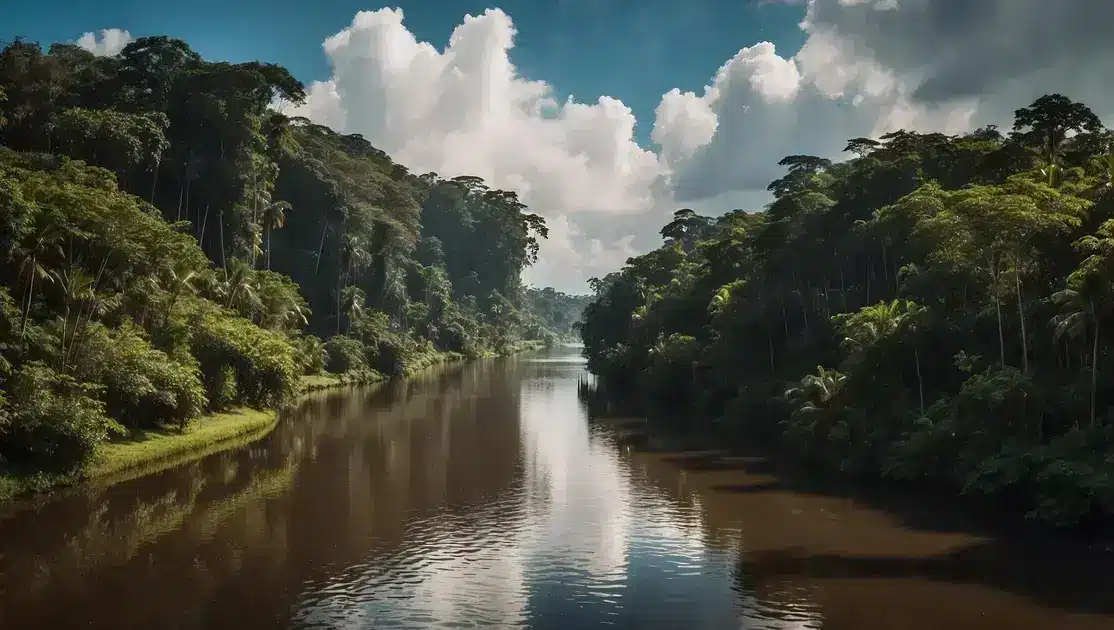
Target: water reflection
point(480, 495)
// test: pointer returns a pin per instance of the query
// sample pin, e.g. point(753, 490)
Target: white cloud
point(111, 42)
point(466, 110)
point(766, 107)
point(867, 67)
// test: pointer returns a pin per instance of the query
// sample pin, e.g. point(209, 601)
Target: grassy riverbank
point(151, 450)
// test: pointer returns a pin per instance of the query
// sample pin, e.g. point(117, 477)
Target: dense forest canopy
point(172, 245)
point(934, 307)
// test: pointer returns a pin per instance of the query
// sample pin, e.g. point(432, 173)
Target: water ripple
point(574, 540)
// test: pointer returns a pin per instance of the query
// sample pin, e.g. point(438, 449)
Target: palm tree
point(274, 217)
point(1077, 314)
point(353, 305)
point(279, 310)
point(239, 285)
point(1088, 297)
point(815, 391)
point(180, 280)
point(43, 238)
point(77, 286)
point(874, 323)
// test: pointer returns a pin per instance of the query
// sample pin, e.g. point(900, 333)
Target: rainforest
point(173, 247)
point(934, 309)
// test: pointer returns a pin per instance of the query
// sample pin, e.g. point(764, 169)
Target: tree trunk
point(204, 220)
point(804, 306)
point(770, 338)
point(254, 216)
point(842, 286)
point(340, 279)
point(321, 247)
point(181, 189)
point(992, 268)
point(1001, 335)
point(30, 298)
point(885, 266)
point(155, 181)
point(268, 257)
point(920, 380)
point(1094, 370)
point(869, 274)
point(1021, 318)
point(223, 256)
point(65, 327)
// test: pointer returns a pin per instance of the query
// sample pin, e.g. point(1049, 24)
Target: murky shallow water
point(482, 497)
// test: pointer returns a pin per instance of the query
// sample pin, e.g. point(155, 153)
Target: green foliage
point(143, 387)
point(345, 355)
point(53, 423)
point(176, 246)
point(960, 284)
point(266, 373)
point(310, 354)
point(556, 311)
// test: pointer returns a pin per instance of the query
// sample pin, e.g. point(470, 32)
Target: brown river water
point(481, 496)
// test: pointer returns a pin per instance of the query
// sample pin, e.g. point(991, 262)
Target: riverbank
point(148, 452)
point(709, 445)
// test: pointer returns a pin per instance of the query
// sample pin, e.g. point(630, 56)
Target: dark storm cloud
point(962, 48)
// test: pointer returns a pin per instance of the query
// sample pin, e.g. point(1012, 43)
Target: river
point(481, 496)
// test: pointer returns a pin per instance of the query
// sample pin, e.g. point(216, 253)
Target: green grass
point(148, 452)
point(13, 485)
point(314, 382)
point(144, 447)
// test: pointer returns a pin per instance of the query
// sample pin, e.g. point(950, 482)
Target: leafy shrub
point(344, 355)
point(55, 423)
point(263, 362)
point(310, 354)
point(143, 386)
point(224, 389)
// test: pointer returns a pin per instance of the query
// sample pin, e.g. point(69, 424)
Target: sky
point(605, 116)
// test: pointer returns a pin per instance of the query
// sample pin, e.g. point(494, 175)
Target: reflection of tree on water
point(775, 602)
point(141, 531)
point(444, 469)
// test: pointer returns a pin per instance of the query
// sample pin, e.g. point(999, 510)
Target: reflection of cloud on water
point(575, 541)
point(580, 482)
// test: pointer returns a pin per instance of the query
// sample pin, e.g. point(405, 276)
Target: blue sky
point(634, 50)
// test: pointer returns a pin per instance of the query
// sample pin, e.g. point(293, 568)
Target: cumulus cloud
point(867, 67)
point(467, 110)
point(766, 106)
point(111, 42)
point(872, 66)
point(957, 48)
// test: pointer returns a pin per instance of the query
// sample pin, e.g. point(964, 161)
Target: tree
point(274, 217)
point(239, 285)
point(180, 280)
point(861, 146)
point(815, 392)
point(41, 239)
point(993, 228)
point(1045, 123)
point(882, 321)
point(76, 286)
point(1089, 296)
